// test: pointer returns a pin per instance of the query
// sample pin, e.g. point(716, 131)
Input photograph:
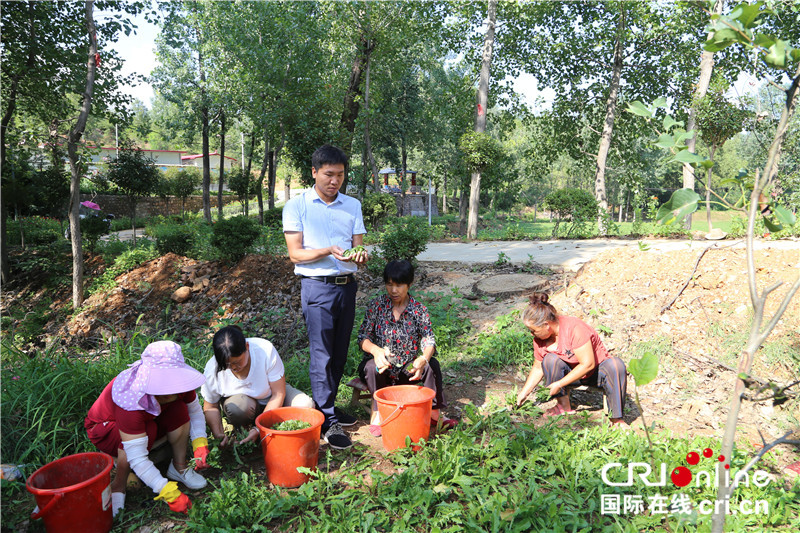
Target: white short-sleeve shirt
point(324, 225)
point(265, 366)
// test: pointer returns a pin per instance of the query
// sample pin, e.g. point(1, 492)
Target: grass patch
point(506, 343)
point(514, 227)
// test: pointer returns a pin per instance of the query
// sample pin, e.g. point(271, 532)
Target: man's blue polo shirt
point(324, 225)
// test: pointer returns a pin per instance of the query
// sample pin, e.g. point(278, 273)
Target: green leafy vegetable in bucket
point(291, 425)
point(353, 251)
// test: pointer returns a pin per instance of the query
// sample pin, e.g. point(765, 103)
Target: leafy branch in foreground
point(644, 370)
point(725, 31)
point(741, 27)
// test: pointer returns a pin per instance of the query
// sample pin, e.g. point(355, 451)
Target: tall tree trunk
point(480, 117)
point(608, 124)
point(271, 180)
point(367, 140)
point(206, 165)
point(712, 149)
point(706, 68)
point(132, 201)
point(462, 209)
point(287, 183)
point(221, 182)
point(247, 172)
point(4, 268)
point(75, 134)
point(351, 100)
point(404, 162)
point(5, 122)
point(260, 183)
point(762, 181)
point(273, 167)
point(444, 194)
point(204, 117)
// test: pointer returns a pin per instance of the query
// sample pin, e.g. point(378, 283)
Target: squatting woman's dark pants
point(610, 375)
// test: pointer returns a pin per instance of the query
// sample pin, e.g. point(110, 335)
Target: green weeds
point(448, 316)
point(492, 473)
point(508, 342)
point(502, 260)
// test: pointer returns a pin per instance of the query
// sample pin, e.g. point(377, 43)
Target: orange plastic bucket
point(405, 412)
point(74, 493)
point(285, 451)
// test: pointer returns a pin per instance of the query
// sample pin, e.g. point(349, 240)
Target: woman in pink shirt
point(567, 350)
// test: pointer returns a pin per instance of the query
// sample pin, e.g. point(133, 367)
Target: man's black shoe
point(337, 438)
point(344, 418)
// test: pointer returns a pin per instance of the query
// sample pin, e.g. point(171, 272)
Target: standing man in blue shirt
point(319, 225)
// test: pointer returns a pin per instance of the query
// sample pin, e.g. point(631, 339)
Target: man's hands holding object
point(356, 254)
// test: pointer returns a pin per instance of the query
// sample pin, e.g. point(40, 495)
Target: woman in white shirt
point(243, 379)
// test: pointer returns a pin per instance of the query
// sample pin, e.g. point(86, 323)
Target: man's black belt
point(335, 280)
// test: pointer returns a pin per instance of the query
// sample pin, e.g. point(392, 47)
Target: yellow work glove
point(200, 447)
point(177, 501)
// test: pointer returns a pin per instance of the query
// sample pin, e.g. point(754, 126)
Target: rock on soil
point(509, 285)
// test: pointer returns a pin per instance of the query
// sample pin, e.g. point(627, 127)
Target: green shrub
point(271, 242)
point(50, 264)
point(574, 205)
point(481, 150)
point(273, 218)
point(403, 238)
point(234, 236)
point(377, 207)
point(38, 231)
point(92, 228)
point(173, 238)
point(439, 232)
point(123, 223)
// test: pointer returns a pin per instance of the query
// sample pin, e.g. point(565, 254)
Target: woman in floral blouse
point(395, 330)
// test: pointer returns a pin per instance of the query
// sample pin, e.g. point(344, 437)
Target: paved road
point(569, 254)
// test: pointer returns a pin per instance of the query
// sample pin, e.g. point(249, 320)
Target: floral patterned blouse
point(405, 337)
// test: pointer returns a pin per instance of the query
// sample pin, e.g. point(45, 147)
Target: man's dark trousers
point(329, 311)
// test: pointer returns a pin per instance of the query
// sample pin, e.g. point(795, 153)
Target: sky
point(139, 56)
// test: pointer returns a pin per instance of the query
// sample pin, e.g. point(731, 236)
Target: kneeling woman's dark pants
point(610, 375)
point(431, 378)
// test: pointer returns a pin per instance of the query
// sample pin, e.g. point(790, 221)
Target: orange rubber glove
point(200, 447)
point(177, 501)
point(181, 505)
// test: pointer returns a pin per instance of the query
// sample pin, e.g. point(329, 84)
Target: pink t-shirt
point(572, 333)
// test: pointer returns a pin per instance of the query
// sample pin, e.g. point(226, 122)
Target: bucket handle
point(264, 438)
point(35, 515)
point(392, 416)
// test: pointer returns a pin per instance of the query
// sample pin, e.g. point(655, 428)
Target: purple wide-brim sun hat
point(168, 372)
point(160, 371)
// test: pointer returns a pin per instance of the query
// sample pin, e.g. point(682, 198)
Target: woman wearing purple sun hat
point(151, 403)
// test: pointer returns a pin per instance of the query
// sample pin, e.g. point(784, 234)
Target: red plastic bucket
point(74, 493)
point(405, 412)
point(285, 451)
